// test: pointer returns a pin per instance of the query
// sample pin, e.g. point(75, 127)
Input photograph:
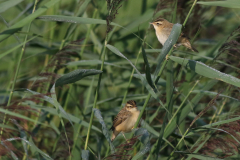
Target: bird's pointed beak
point(150, 22)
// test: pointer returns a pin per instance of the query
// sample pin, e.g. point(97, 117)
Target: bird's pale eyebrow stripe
point(129, 105)
point(157, 20)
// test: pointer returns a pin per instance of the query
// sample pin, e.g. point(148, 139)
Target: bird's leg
point(124, 136)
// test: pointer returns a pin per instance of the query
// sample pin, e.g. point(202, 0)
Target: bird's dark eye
point(158, 24)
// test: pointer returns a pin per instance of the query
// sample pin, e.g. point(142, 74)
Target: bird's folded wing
point(121, 117)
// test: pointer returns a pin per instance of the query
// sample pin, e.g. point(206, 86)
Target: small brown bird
point(125, 119)
point(163, 29)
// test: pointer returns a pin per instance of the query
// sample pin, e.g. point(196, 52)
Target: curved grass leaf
point(14, 48)
point(79, 20)
point(206, 71)
point(226, 3)
point(53, 111)
point(19, 116)
point(198, 156)
point(17, 26)
point(32, 145)
point(23, 135)
point(207, 129)
point(58, 106)
point(172, 39)
point(8, 127)
point(90, 62)
point(53, 101)
point(98, 115)
point(148, 71)
point(143, 79)
point(14, 156)
point(214, 94)
point(8, 4)
point(76, 75)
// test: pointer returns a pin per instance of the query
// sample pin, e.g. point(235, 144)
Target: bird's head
point(131, 106)
point(160, 23)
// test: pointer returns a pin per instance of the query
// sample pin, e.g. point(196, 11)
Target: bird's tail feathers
point(189, 46)
point(194, 49)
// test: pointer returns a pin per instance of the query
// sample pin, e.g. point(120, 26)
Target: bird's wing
point(121, 117)
point(167, 31)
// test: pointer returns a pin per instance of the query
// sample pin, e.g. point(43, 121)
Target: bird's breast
point(161, 38)
point(129, 123)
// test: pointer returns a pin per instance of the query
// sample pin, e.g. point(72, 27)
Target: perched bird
point(163, 29)
point(125, 119)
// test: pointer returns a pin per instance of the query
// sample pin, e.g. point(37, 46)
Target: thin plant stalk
point(190, 11)
point(96, 94)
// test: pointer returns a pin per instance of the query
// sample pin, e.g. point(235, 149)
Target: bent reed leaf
point(8, 4)
point(148, 71)
point(98, 115)
point(52, 101)
point(206, 71)
point(76, 75)
point(79, 20)
point(44, 155)
point(226, 3)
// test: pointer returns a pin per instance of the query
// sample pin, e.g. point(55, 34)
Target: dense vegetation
point(67, 65)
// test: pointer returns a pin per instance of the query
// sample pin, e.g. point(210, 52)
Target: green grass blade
point(8, 127)
point(90, 63)
point(53, 101)
point(17, 26)
point(14, 156)
point(23, 135)
point(79, 20)
point(226, 3)
point(18, 115)
point(214, 94)
point(75, 119)
point(85, 154)
point(148, 71)
point(98, 115)
point(32, 145)
point(76, 75)
point(207, 71)
point(14, 48)
point(203, 157)
point(8, 4)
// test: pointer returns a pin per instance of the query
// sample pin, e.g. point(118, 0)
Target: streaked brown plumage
point(163, 29)
point(125, 119)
